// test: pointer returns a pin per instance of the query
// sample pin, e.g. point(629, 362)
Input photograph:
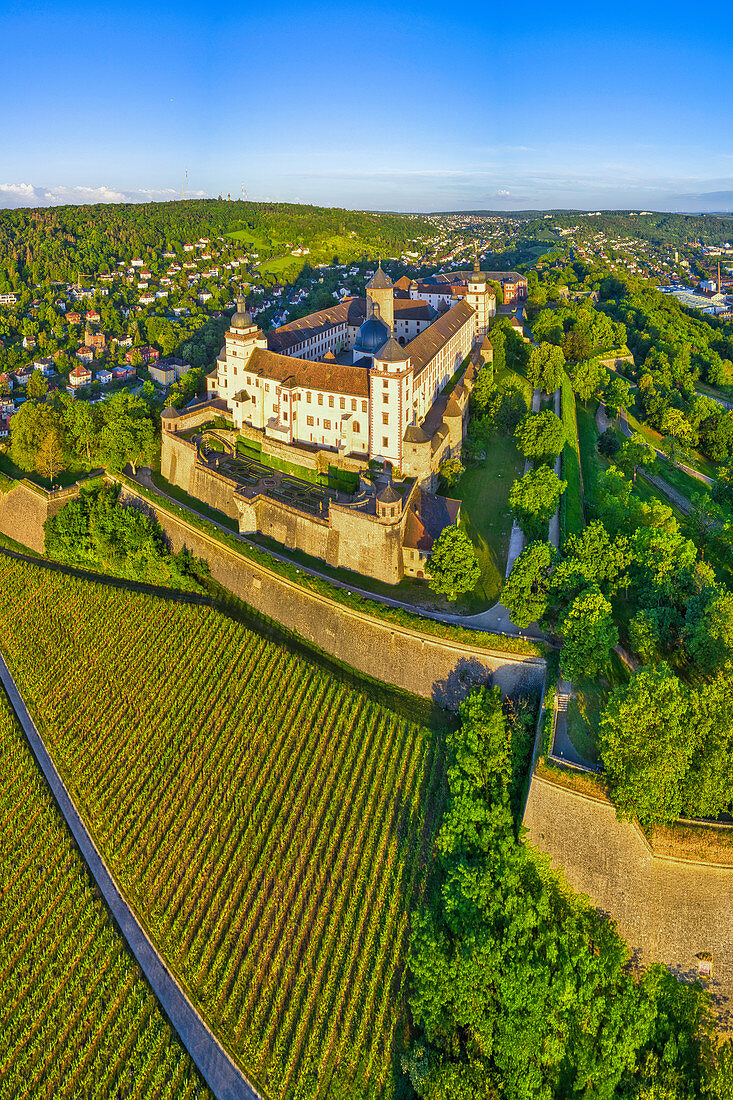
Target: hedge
point(572, 519)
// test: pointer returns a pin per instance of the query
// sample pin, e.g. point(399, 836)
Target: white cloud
point(28, 194)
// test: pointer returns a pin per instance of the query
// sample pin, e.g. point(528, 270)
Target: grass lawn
point(74, 473)
point(692, 458)
point(250, 237)
point(484, 491)
point(587, 704)
point(506, 375)
point(683, 482)
point(280, 265)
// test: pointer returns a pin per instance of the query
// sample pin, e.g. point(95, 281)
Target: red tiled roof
point(351, 311)
point(427, 344)
point(333, 377)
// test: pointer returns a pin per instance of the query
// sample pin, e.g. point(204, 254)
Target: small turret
point(389, 504)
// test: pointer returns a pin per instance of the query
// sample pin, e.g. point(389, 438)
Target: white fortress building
point(363, 378)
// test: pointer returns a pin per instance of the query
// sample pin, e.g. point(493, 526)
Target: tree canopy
point(453, 567)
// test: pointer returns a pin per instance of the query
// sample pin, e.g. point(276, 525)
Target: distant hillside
point(56, 243)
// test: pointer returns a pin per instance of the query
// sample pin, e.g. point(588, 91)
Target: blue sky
point(388, 106)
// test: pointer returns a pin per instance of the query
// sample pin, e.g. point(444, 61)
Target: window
point(385, 383)
point(385, 418)
point(363, 406)
point(330, 402)
point(342, 403)
point(308, 397)
point(320, 398)
point(327, 425)
point(357, 429)
point(267, 387)
point(353, 406)
point(385, 441)
point(385, 398)
point(309, 421)
point(285, 416)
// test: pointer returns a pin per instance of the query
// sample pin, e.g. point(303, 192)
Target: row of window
point(327, 424)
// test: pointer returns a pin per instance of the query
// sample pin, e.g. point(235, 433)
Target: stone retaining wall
point(419, 663)
point(668, 908)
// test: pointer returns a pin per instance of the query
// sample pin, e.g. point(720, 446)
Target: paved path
point(562, 747)
point(225, 1080)
point(626, 429)
point(680, 501)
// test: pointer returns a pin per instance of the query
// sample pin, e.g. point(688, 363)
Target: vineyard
point(270, 822)
point(76, 1017)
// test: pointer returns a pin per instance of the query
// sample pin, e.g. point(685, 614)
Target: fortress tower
point(380, 292)
point(481, 300)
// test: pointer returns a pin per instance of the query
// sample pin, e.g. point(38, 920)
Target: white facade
point(361, 408)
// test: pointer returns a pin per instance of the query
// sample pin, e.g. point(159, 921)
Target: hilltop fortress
point(373, 390)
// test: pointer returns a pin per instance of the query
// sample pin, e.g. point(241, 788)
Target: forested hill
point(658, 228)
point(58, 243)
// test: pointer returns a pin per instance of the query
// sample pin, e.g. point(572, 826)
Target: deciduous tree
point(453, 567)
point(589, 634)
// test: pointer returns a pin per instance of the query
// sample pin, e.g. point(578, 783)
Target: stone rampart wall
point(668, 909)
point(428, 666)
point(25, 509)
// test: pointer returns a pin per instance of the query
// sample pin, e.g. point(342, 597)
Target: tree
point(589, 634)
point(82, 428)
point(648, 738)
point(525, 592)
point(617, 393)
point(453, 567)
point(708, 631)
point(546, 367)
point(576, 346)
point(483, 389)
point(130, 439)
point(678, 433)
point(36, 386)
point(587, 377)
point(534, 498)
point(540, 436)
point(608, 443)
point(451, 472)
point(29, 427)
point(635, 452)
point(50, 456)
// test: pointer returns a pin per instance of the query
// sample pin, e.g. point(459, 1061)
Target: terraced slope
point(76, 1017)
point(269, 822)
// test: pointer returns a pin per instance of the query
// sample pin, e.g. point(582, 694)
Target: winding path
point(223, 1077)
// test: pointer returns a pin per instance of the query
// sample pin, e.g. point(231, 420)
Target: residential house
point(104, 377)
point(147, 354)
point(80, 376)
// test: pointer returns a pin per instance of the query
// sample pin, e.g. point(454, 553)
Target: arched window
point(401, 341)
